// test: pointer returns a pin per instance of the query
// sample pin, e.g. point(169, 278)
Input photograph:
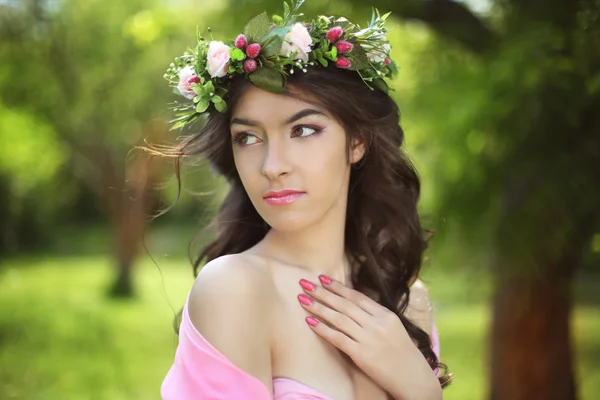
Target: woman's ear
point(357, 150)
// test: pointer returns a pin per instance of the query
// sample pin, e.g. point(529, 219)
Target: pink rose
point(186, 78)
point(217, 59)
point(297, 41)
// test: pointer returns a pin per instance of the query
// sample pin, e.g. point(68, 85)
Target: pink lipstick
point(282, 197)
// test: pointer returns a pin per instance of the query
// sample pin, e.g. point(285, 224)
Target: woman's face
point(292, 159)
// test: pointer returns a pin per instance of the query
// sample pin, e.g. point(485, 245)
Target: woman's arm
point(230, 306)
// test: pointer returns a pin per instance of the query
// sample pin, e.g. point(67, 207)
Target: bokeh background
point(501, 108)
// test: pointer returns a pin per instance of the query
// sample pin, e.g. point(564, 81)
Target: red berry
point(241, 42)
point(344, 47)
point(334, 33)
point(387, 61)
point(250, 65)
point(253, 50)
point(194, 79)
point(343, 62)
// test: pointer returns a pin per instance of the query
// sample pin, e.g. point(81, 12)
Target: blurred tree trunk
point(129, 199)
point(531, 355)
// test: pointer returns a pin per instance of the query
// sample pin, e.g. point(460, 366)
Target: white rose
point(375, 53)
point(379, 53)
point(217, 59)
point(297, 41)
point(185, 86)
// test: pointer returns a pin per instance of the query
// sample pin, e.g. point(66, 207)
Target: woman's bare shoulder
point(230, 305)
point(237, 281)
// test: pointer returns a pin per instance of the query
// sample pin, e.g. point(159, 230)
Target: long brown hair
point(383, 233)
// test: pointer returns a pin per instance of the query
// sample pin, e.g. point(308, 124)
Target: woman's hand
point(372, 336)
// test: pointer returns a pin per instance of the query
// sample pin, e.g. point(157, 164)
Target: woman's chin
point(288, 223)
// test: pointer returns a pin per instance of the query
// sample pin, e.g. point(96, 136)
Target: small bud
point(194, 79)
point(253, 50)
point(250, 65)
point(343, 62)
point(343, 46)
point(241, 42)
point(334, 33)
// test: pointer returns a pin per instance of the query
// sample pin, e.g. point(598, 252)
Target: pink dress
point(201, 372)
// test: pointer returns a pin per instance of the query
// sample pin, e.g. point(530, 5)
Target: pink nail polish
point(312, 321)
point(307, 285)
point(325, 279)
point(304, 299)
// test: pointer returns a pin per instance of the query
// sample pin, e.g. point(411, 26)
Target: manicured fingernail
point(312, 321)
point(325, 279)
point(307, 285)
point(304, 299)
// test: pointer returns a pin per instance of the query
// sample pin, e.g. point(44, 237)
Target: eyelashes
point(241, 138)
point(297, 132)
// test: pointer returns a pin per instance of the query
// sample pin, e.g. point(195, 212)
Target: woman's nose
point(276, 162)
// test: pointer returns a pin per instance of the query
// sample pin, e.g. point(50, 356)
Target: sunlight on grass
point(62, 338)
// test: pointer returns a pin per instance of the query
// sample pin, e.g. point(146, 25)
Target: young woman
point(310, 288)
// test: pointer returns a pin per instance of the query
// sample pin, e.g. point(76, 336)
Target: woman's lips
point(283, 197)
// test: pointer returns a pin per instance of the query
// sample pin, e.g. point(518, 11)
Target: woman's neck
point(319, 248)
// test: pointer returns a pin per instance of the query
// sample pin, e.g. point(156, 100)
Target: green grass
point(62, 338)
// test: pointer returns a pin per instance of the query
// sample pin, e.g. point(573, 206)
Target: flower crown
point(270, 49)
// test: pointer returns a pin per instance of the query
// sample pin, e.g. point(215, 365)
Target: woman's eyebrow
point(243, 121)
point(300, 114)
point(304, 113)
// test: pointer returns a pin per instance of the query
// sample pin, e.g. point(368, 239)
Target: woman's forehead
point(258, 104)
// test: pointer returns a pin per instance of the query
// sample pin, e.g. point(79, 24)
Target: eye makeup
point(241, 138)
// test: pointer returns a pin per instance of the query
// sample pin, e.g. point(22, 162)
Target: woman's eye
point(303, 131)
point(245, 139)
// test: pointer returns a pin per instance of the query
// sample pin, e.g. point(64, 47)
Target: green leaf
point(216, 99)
point(237, 55)
point(323, 61)
point(202, 105)
point(273, 47)
point(358, 58)
point(277, 20)
point(209, 87)
point(384, 16)
point(380, 84)
point(346, 25)
point(221, 106)
point(332, 55)
point(268, 79)
point(286, 10)
point(178, 125)
point(257, 27)
point(281, 32)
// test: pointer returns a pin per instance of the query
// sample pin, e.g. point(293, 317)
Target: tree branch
point(446, 17)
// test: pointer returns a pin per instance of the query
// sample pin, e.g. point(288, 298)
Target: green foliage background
point(81, 83)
